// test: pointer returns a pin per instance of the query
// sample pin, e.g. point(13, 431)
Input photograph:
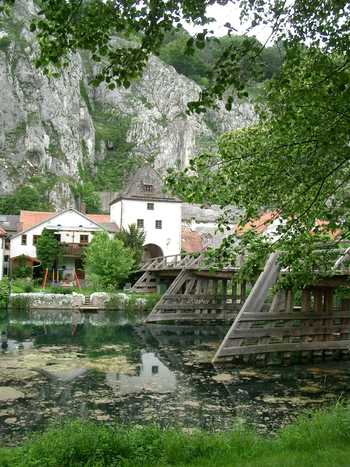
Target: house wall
point(65, 223)
point(126, 212)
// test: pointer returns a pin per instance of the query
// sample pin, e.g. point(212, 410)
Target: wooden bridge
point(194, 292)
point(267, 325)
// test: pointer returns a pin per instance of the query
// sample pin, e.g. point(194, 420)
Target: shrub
point(60, 290)
point(107, 262)
point(22, 269)
point(19, 303)
point(4, 291)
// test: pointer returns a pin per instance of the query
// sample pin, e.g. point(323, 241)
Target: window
point(140, 224)
point(158, 224)
point(35, 239)
point(6, 258)
point(84, 239)
point(7, 243)
point(24, 239)
point(150, 206)
point(58, 237)
point(155, 370)
point(148, 188)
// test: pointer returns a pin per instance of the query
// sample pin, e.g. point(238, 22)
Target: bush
point(59, 290)
point(107, 262)
point(4, 291)
point(19, 303)
point(22, 269)
point(21, 285)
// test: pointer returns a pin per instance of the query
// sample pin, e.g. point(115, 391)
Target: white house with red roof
point(72, 228)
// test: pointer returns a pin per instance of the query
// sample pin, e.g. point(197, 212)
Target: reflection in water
point(152, 376)
point(115, 369)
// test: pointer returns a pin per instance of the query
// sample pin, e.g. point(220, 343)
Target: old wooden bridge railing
point(194, 292)
point(267, 325)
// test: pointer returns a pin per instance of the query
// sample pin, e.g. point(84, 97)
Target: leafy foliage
point(198, 66)
point(22, 269)
point(294, 162)
point(34, 195)
point(107, 261)
point(4, 291)
point(48, 249)
point(85, 192)
point(63, 27)
point(134, 239)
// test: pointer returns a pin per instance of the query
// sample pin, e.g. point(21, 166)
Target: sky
point(230, 14)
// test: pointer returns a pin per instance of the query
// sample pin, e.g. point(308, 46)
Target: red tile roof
point(261, 224)
point(99, 218)
point(29, 219)
point(191, 241)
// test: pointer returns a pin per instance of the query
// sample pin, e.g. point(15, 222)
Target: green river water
point(112, 368)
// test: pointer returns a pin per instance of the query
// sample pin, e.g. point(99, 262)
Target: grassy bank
point(322, 440)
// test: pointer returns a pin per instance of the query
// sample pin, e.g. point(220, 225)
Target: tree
point(107, 261)
point(85, 191)
point(133, 239)
point(33, 196)
point(294, 162)
point(65, 27)
point(48, 249)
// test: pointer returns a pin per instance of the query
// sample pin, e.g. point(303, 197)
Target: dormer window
point(147, 188)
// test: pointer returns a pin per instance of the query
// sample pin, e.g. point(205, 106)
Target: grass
point(319, 440)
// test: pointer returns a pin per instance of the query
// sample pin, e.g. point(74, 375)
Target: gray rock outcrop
point(53, 127)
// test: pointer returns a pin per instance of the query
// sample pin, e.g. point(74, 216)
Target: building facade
point(73, 229)
point(145, 204)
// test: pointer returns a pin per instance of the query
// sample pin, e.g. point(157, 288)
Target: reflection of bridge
point(268, 325)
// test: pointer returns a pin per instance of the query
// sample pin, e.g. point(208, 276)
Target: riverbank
point(99, 300)
point(322, 440)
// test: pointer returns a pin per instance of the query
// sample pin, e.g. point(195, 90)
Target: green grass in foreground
point(322, 440)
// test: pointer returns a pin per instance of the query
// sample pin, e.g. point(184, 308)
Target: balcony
point(75, 250)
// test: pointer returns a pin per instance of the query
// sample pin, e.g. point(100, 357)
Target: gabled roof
point(145, 184)
point(45, 216)
point(29, 219)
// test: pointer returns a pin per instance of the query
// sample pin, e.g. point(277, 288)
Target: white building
point(145, 204)
point(73, 229)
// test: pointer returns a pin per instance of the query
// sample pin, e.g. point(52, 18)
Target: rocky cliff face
point(54, 127)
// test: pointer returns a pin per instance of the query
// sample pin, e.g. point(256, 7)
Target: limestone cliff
point(55, 127)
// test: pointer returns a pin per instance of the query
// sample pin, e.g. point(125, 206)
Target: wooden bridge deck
point(267, 326)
